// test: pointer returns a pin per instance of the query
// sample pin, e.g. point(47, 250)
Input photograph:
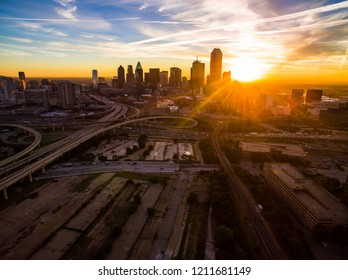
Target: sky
point(289, 40)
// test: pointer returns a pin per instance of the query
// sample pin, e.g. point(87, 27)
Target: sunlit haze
point(289, 40)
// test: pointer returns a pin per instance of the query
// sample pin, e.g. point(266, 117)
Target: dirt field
point(106, 216)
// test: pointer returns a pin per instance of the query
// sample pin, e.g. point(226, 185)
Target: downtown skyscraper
point(21, 76)
point(175, 77)
point(197, 76)
point(120, 77)
point(215, 66)
point(139, 74)
point(95, 78)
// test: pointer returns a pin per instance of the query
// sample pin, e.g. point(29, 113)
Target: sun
point(247, 69)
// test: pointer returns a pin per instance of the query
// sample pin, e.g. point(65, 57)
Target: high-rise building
point(163, 78)
point(313, 95)
point(65, 94)
point(130, 77)
point(95, 78)
point(36, 97)
point(21, 76)
point(120, 77)
point(175, 77)
point(114, 82)
point(184, 82)
point(34, 84)
point(197, 76)
point(7, 88)
point(296, 97)
point(146, 78)
point(139, 76)
point(226, 76)
point(215, 66)
point(154, 79)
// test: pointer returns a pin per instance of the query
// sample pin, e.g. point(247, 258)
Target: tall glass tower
point(139, 75)
point(215, 66)
point(120, 76)
point(21, 76)
point(95, 78)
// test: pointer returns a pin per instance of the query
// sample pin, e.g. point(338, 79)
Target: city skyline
point(287, 41)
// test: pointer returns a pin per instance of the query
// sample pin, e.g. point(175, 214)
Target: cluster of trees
point(288, 123)
point(232, 150)
point(148, 151)
point(332, 185)
point(277, 214)
point(230, 236)
point(208, 152)
point(243, 125)
point(78, 152)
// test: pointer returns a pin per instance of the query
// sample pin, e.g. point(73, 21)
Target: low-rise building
point(313, 205)
point(249, 148)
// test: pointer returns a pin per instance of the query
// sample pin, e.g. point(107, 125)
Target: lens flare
point(246, 69)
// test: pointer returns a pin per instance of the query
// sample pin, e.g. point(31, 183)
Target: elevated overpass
point(69, 145)
point(27, 150)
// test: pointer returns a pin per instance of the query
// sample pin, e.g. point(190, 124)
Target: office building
point(66, 94)
point(120, 77)
point(197, 76)
point(226, 76)
point(130, 79)
point(34, 84)
point(313, 205)
point(7, 88)
point(215, 66)
point(164, 78)
point(146, 78)
point(139, 76)
point(95, 78)
point(184, 82)
point(36, 97)
point(114, 82)
point(296, 98)
point(313, 95)
point(175, 77)
point(154, 77)
point(21, 76)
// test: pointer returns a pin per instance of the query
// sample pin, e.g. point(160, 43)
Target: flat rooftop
point(260, 147)
point(310, 194)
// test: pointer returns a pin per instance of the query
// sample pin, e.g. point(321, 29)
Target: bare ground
point(88, 217)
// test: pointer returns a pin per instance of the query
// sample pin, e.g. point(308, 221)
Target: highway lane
point(110, 166)
point(81, 168)
point(265, 236)
point(59, 151)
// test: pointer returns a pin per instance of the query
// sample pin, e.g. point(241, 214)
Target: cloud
point(21, 40)
point(35, 27)
point(99, 36)
point(7, 52)
point(143, 6)
point(54, 54)
point(64, 3)
point(67, 10)
point(67, 13)
point(344, 59)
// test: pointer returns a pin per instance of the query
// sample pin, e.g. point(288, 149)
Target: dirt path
point(122, 246)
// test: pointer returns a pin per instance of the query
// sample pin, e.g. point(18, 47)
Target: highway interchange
point(52, 152)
